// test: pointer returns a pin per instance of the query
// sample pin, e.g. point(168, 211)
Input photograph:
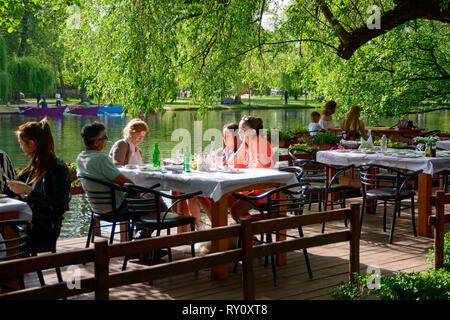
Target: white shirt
point(325, 124)
point(58, 96)
point(314, 127)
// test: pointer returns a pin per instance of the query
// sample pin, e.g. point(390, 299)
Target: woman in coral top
point(255, 152)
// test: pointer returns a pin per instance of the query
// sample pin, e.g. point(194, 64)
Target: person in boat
point(326, 120)
point(43, 104)
point(44, 183)
point(126, 150)
point(352, 125)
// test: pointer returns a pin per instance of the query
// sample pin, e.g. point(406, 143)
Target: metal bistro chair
point(148, 213)
point(107, 197)
point(275, 207)
point(323, 182)
point(372, 189)
point(18, 249)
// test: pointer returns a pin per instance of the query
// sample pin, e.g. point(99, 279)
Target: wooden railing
point(438, 221)
point(102, 253)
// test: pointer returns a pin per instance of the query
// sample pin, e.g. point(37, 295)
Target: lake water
point(68, 144)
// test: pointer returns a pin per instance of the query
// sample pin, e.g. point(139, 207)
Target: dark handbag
point(405, 124)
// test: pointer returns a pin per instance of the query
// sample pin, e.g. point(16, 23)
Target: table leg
point(424, 205)
point(219, 219)
point(9, 233)
point(332, 197)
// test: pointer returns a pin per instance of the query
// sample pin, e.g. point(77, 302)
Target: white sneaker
point(203, 226)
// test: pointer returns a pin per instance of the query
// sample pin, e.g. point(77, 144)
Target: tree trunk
point(61, 82)
point(24, 32)
point(237, 99)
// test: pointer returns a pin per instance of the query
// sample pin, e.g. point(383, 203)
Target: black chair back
point(18, 249)
point(371, 178)
point(149, 202)
point(107, 197)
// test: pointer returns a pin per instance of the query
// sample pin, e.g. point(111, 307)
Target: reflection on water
point(66, 131)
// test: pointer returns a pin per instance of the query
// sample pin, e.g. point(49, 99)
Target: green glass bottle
point(187, 160)
point(156, 156)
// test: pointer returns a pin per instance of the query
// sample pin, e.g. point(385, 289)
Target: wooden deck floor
point(329, 265)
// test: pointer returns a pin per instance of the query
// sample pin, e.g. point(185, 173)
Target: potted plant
point(286, 137)
point(430, 144)
point(75, 185)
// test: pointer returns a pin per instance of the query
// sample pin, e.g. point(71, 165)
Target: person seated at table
point(255, 152)
point(352, 125)
point(44, 182)
point(314, 125)
point(230, 144)
point(126, 150)
point(326, 120)
point(96, 164)
point(6, 173)
point(231, 141)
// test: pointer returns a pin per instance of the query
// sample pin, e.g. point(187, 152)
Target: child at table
point(314, 125)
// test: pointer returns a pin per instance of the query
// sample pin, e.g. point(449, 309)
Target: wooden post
point(354, 240)
point(248, 279)
point(439, 230)
point(101, 270)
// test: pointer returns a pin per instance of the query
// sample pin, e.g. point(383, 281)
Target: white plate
point(150, 169)
point(2, 195)
point(226, 171)
point(131, 166)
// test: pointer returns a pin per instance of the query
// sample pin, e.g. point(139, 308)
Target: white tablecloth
point(13, 205)
point(212, 184)
point(443, 144)
point(428, 165)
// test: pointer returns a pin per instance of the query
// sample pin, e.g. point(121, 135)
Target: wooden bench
point(102, 253)
point(438, 221)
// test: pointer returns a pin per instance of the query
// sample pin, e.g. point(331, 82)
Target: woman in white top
point(326, 121)
point(126, 150)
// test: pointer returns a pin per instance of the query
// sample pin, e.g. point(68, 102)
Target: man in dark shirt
point(43, 103)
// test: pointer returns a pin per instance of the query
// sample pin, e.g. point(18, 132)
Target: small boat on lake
point(88, 111)
point(110, 110)
point(41, 112)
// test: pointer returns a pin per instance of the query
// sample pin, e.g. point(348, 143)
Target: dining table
point(444, 144)
point(11, 209)
point(401, 159)
point(215, 185)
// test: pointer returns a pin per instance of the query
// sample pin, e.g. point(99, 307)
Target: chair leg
point(394, 215)
point(90, 232)
point(111, 237)
point(384, 215)
point(274, 271)
point(21, 282)
point(41, 278)
point(413, 218)
point(169, 251)
point(361, 215)
point(305, 253)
